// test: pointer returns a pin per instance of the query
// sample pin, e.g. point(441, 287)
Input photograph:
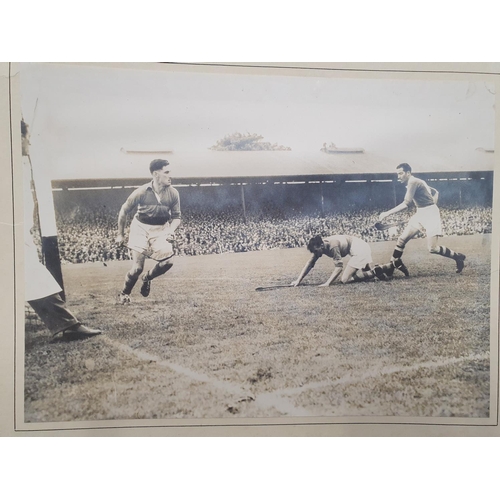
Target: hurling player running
point(158, 215)
point(337, 247)
point(427, 217)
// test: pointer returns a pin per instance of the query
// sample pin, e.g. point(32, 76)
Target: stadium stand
point(87, 234)
point(268, 199)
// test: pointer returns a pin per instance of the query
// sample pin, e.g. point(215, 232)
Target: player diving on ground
point(337, 247)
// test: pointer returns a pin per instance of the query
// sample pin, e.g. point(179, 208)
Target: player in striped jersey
point(337, 247)
point(158, 215)
point(427, 217)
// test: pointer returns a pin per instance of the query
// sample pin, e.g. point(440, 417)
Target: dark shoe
point(460, 260)
point(146, 286)
point(399, 265)
point(80, 332)
point(379, 273)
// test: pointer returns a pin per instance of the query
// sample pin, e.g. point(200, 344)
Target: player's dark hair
point(24, 128)
point(404, 166)
point(157, 165)
point(314, 242)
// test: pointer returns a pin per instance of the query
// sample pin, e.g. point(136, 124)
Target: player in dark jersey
point(427, 217)
point(337, 247)
point(158, 215)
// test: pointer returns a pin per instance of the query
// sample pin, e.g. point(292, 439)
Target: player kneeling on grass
point(158, 215)
point(339, 246)
point(427, 217)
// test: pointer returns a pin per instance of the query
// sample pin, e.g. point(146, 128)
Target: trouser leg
point(54, 313)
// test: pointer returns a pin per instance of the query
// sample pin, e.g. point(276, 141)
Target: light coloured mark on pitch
point(283, 405)
point(199, 377)
point(278, 399)
point(264, 401)
point(354, 379)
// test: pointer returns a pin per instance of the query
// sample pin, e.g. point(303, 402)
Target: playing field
point(205, 344)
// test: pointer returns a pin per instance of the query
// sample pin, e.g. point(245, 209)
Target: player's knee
point(401, 242)
point(136, 270)
point(347, 277)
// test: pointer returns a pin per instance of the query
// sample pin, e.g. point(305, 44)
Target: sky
point(81, 114)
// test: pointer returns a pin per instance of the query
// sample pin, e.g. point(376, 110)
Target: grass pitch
point(205, 344)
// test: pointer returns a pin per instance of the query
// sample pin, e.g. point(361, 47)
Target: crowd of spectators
point(87, 235)
point(466, 221)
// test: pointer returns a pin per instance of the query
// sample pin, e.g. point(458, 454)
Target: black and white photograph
point(245, 244)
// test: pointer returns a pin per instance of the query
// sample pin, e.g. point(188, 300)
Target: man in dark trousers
point(42, 292)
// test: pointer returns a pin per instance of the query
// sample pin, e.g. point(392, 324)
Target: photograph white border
point(10, 109)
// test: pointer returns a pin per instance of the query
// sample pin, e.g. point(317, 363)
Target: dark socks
point(130, 281)
point(158, 270)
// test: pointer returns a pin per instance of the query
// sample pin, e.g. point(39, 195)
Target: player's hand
point(120, 240)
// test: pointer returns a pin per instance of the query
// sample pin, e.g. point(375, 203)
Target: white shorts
point(150, 240)
point(428, 219)
point(361, 254)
